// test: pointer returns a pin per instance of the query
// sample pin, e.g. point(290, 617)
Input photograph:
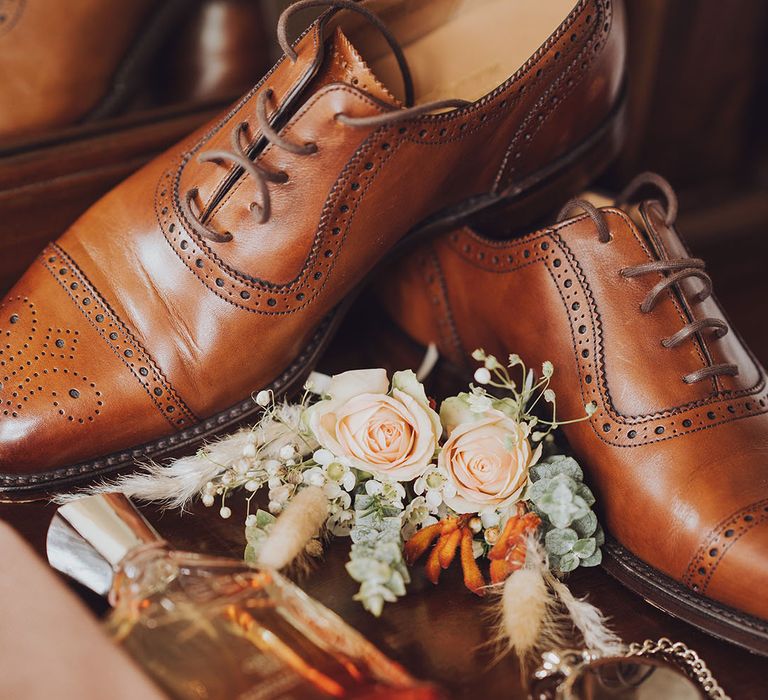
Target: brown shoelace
point(672, 271)
point(238, 156)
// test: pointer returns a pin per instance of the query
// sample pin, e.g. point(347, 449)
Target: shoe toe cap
point(75, 384)
point(732, 565)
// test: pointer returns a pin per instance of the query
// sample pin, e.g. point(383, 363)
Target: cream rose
point(487, 457)
point(388, 432)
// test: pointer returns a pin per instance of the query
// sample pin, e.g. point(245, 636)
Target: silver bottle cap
point(88, 538)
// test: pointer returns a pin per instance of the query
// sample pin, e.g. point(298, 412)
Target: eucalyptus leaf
point(569, 562)
point(595, 559)
point(584, 492)
point(586, 525)
point(250, 555)
point(557, 464)
point(537, 490)
point(560, 541)
point(600, 536)
point(585, 548)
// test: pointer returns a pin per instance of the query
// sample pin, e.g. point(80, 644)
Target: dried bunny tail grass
point(172, 486)
point(527, 616)
point(538, 612)
point(176, 484)
point(301, 521)
point(589, 621)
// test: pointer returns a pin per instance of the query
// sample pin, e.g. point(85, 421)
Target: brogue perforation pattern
point(609, 425)
point(709, 556)
point(579, 43)
point(117, 336)
point(26, 344)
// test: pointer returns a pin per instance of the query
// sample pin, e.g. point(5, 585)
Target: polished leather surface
point(679, 469)
point(61, 63)
point(57, 58)
point(162, 327)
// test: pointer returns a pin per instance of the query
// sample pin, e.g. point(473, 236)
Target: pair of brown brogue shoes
point(223, 268)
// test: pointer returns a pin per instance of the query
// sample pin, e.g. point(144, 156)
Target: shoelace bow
point(673, 271)
point(238, 156)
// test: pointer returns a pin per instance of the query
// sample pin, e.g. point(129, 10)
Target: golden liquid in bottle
point(251, 636)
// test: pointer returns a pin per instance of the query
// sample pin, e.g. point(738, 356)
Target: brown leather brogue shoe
point(677, 449)
point(223, 267)
point(66, 62)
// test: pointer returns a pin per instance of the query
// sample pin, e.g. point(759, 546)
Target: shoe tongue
point(343, 64)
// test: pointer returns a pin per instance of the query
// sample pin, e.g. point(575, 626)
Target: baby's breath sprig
point(524, 399)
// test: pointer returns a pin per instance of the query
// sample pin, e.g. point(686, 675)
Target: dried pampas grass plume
point(300, 522)
point(527, 618)
point(537, 612)
point(589, 621)
point(177, 484)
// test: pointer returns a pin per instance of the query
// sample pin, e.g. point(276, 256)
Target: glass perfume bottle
point(210, 628)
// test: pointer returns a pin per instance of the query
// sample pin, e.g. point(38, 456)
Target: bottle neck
point(143, 571)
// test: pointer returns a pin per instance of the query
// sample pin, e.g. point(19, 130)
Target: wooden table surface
point(442, 633)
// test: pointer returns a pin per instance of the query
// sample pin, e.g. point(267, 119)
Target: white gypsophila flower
point(264, 398)
point(272, 467)
point(208, 500)
point(225, 512)
point(314, 476)
point(416, 515)
point(323, 457)
point(338, 472)
point(281, 494)
point(479, 402)
point(287, 452)
point(340, 519)
point(482, 375)
point(490, 517)
point(436, 487)
point(250, 521)
point(249, 450)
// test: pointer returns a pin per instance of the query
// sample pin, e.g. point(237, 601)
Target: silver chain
point(686, 659)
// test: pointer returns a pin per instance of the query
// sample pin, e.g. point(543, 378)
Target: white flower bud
point(275, 508)
point(478, 354)
point(249, 450)
point(482, 375)
point(250, 521)
point(263, 398)
point(287, 451)
point(323, 457)
point(252, 485)
point(491, 362)
point(547, 369)
point(225, 512)
point(591, 408)
point(208, 500)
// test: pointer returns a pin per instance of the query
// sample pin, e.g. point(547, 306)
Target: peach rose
point(487, 457)
point(388, 432)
